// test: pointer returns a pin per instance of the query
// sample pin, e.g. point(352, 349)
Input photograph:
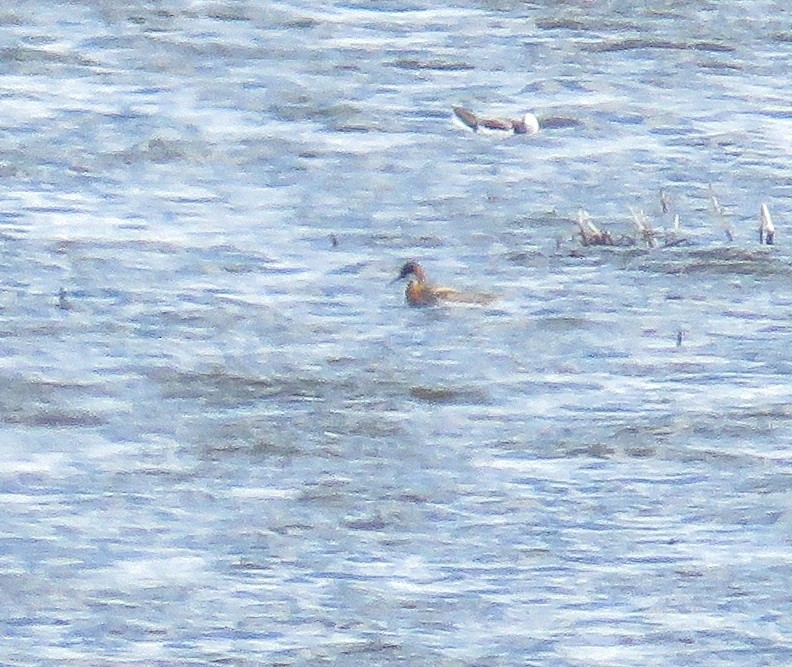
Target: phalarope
point(420, 292)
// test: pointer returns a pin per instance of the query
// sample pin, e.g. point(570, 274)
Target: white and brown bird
point(528, 125)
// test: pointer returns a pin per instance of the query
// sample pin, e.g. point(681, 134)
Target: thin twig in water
point(766, 227)
point(721, 215)
point(590, 234)
point(643, 225)
point(665, 202)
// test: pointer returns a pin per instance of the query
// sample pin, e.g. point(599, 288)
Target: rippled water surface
point(226, 439)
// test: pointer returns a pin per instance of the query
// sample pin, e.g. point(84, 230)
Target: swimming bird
point(420, 292)
point(766, 227)
point(528, 125)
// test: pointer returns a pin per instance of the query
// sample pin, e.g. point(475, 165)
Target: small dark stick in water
point(665, 202)
point(679, 338)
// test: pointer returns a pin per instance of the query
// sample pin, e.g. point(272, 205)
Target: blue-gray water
point(231, 442)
